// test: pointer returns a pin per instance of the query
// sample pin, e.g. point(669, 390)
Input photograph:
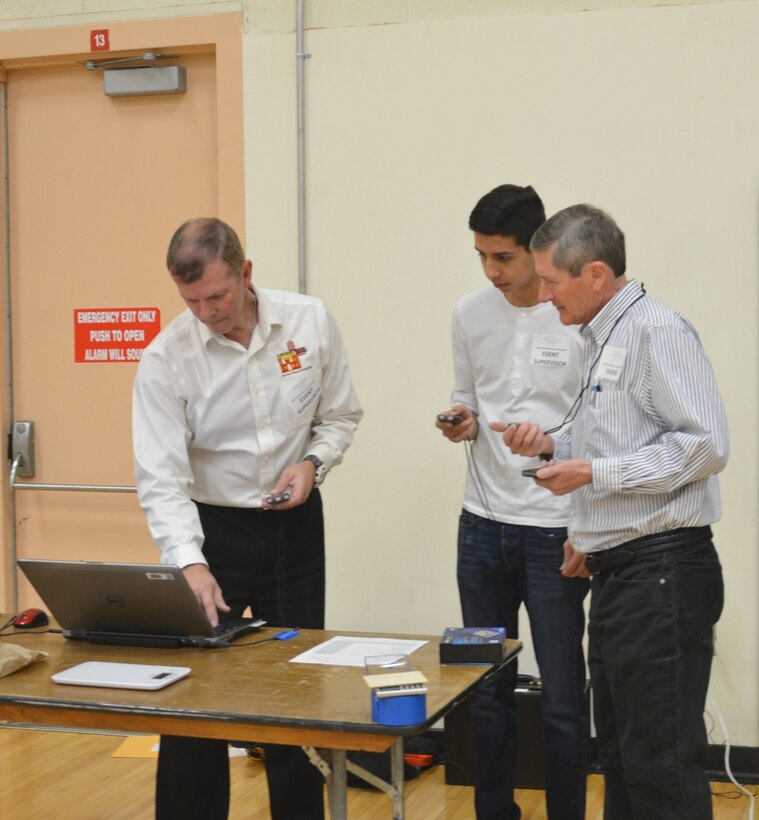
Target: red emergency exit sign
point(114, 334)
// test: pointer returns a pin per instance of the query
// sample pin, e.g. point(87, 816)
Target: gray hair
point(197, 243)
point(581, 234)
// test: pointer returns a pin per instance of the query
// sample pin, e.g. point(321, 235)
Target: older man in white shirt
point(241, 406)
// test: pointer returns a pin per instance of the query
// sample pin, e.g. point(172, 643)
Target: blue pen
point(594, 391)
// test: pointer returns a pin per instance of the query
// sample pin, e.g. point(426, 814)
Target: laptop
point(128, 604)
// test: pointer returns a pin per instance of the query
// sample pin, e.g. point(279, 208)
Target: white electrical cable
point(479, 486)
point(723, 727)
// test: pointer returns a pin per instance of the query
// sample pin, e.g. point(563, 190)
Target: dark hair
point(197, 243)
point(581, 234)
point(509, 210)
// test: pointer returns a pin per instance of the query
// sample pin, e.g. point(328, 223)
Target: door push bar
point(22, 453)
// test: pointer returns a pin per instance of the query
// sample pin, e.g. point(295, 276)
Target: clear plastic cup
point(379, 664)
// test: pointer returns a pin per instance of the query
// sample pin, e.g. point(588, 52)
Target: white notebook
point(122, 675)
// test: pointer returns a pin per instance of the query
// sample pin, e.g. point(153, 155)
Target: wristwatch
point(321, 470)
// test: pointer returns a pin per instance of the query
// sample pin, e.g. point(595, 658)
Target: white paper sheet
point(346, 651)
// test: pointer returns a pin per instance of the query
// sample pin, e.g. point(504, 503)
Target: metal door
point(96, 185)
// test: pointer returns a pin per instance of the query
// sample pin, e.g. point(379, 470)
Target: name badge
point(301, 391)
point(611, 364)
point(550, 350)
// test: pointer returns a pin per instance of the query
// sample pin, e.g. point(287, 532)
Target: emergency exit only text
point(114, 334)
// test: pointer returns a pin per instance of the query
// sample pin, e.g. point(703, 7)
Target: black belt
point(604, 560)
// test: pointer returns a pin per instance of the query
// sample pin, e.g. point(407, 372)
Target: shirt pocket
point(300, 391)
point(607, 429)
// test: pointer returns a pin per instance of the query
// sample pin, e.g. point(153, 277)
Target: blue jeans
point(650, 652)
point(501, 566)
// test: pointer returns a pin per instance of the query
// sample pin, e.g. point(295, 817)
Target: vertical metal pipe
point(301, 57)
point(8, 327)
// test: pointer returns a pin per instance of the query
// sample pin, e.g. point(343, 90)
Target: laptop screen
point(152, 599)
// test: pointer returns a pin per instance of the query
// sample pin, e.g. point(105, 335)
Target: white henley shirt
point(512, 364)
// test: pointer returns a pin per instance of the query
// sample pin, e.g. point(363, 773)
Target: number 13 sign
point(99, 40)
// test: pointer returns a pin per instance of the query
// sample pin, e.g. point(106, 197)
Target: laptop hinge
point(116, 639)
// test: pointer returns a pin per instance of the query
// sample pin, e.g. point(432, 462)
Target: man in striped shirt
point(648, 437)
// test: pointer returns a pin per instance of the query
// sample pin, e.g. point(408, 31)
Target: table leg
point(337, 785)
point(397, 778)
point(334, 765)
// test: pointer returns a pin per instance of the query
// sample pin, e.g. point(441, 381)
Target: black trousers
point(650, 648)
point(273, 562)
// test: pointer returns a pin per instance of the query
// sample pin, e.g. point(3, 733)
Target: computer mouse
point(30, 618)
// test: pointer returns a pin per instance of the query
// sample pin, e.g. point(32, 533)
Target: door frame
point(219, 34)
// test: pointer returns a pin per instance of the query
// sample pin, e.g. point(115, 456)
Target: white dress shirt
point(652, 424)
point(216, 423)
point(512, 364)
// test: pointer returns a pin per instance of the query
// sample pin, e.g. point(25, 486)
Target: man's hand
point(465, 430)
point(574, 563)
point(524, 438)
point(297, 479)
point(562, 477)
point(207, 591)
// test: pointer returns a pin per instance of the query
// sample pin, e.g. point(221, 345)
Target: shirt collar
point(601, 325)
point(267, 316)
point(205, 333)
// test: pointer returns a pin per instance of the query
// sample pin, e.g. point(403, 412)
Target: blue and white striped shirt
point(655, 432)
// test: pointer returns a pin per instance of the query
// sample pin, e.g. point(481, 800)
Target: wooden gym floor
point(74, 776)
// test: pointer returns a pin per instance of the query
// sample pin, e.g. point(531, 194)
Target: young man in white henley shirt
point(513, 361)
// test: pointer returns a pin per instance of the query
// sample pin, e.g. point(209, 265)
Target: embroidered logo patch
point(289, 361)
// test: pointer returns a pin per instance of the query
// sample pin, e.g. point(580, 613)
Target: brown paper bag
point(13, 658)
